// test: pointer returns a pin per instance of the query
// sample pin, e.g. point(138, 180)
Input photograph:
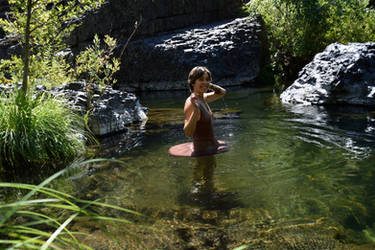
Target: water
point(293, 176)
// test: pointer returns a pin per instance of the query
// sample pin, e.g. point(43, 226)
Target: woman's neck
point(198, 94)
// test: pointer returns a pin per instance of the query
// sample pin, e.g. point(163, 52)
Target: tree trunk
point(26, 56)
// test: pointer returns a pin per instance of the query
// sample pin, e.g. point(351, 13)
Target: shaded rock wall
point(341, 74)
point(232, 50)
point(117, 17)
point(4, 7)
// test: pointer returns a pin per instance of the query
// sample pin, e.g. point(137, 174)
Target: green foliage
point(298, 29)
point(42, 218)
point(96, 64)
point(42, 28)
point(52, 21)
point(42, 130)
point(38, 131)
point(351, 21)
point(49, 72)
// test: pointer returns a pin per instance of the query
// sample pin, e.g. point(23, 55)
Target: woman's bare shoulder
point(188, 104)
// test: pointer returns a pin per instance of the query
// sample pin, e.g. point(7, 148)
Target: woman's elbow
point(188, 134)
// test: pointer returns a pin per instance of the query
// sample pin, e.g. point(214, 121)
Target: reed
point(38, 131)
point(41, 219)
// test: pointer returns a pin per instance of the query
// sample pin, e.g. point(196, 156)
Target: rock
point(117, 17)
point(112, 111)
point(8, 46)
point(341, 74)
point(231, 50)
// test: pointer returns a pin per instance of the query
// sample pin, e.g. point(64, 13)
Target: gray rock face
point(117, 17)
point(231, 50)
point(341, 74)
point(113, 111)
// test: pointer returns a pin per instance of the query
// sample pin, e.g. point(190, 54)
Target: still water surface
point(288, 165)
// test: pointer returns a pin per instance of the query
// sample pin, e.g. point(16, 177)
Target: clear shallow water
point(286, 164)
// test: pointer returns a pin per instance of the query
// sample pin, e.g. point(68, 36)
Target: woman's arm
point(192, 115)
point(216, 93)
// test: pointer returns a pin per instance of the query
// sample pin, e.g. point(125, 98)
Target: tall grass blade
point(57, 232)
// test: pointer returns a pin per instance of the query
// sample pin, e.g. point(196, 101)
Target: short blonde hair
point(196, 73)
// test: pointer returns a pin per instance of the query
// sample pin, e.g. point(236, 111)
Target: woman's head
point(196, 73)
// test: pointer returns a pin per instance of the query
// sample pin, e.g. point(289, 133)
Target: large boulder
point(112, 110)
point(117, 17)
point(341, 74)
point(232, 50)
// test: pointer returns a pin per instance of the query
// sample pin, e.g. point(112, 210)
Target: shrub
point(36, 131)
point(298, 29)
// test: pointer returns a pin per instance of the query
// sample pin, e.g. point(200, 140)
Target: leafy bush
point(49, 72)
point(96, 63)
point(298, 29)
point(36, 131)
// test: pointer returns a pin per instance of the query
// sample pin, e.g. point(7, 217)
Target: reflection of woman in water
point(198, 117)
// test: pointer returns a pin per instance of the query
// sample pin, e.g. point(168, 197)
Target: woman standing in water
point(198, 117)
point(198, 126)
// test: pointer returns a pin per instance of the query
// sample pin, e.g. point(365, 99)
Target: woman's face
point(201, 84)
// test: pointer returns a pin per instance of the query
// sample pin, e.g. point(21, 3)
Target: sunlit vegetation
point(298, 29)
point(38, 131)
point(41, 130)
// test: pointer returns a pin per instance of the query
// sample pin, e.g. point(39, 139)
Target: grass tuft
point(38, 131)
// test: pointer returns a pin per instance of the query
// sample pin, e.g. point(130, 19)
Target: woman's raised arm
point(216, 93)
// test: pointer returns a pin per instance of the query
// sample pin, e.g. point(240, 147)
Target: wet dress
point(204, 141)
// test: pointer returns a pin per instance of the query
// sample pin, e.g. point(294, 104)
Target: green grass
point(38, 131)
point(41, 219)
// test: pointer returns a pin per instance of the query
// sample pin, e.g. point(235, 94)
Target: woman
point(198, 116)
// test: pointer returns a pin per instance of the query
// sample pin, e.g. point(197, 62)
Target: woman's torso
point(203, 137)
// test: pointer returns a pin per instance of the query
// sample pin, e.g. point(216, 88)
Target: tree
point(42, 130)
point(42, 27)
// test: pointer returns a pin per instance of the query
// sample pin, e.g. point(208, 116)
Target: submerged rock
point(232, 51)
point(341, 74)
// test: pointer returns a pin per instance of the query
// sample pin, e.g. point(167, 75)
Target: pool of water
point(293, 174)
